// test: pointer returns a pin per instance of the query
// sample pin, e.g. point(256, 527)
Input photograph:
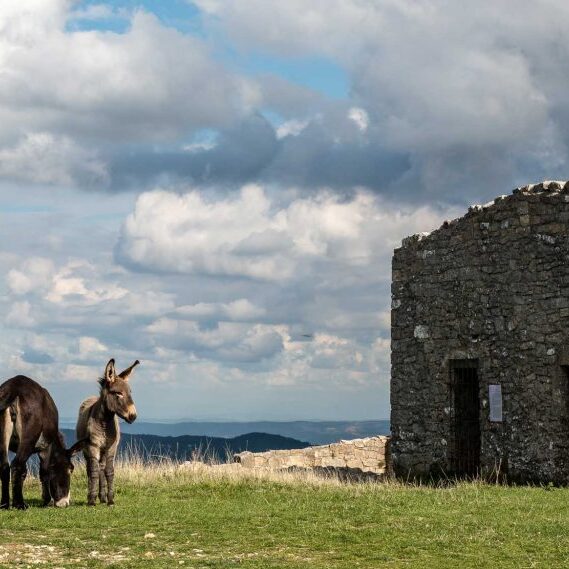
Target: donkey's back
point(103, 436)
point(33, 401)
point(27, 413)
point(85, 410)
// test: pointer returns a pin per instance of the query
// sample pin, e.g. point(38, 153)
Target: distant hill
point(316, 432)
point(186, 446)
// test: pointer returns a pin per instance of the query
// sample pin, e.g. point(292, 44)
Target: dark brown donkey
point(29, 424)
point(99, 424)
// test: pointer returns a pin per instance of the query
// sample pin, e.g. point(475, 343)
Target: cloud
point(89, 346)
point(33, 356)
point(240, 154)
point(247, 235)
point(291, 128)
point(38, 275)
point(439, 106)
point(79, 296)
point(446, 90)
point(314, 270)
point(68, 287)
point(255, 288)
point(360, 118)
point(228, 341)
point(332, 352)
point(325, 150)
point(324, 26)
point(95, 12)
point(20, 315)
point(33, 274)
point(69, 96)
point(125, 85)
point(184, 233)
point(408, 129)
point(240, 310)
point(46, 159)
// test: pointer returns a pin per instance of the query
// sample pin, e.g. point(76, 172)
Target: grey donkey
point(98, 423)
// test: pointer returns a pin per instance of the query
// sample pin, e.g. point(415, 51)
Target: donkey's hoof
point(4, 506)
point(21, 506)
point(92, 502)
point(110, 503)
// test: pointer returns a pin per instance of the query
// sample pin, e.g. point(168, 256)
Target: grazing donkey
point(98, 423)
point(29, 424)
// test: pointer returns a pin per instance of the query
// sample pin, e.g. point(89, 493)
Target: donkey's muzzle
point(63, 502)
point(129, 413)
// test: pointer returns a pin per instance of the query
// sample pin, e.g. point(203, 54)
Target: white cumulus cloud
point(247, 235)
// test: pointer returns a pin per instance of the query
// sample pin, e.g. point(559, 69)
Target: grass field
point(199, 517)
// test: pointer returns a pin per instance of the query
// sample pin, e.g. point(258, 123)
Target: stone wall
point(367, 455)
point(490, 289)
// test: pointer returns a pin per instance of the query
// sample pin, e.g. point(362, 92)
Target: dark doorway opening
point(465, 458)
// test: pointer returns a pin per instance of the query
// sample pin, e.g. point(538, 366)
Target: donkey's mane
point(102, 382)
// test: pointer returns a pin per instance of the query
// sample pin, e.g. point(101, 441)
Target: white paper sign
point(495, 398)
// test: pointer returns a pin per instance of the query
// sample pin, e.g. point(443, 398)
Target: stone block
point(334, 462)
point(349, 453)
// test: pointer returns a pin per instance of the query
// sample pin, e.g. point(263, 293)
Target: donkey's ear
point(76, 447)
point(126, 373)
point(110, 374)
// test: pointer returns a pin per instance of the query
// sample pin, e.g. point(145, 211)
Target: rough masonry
point(367, 455)
point(480, 341)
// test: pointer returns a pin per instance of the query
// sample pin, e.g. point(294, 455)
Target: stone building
point(480, 341)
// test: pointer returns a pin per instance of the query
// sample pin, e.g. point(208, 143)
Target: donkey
point(29, 424)
point(98, 423)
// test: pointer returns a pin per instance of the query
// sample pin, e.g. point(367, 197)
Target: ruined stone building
point(480, 341)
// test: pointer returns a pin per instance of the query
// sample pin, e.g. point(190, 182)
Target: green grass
point(184, 517)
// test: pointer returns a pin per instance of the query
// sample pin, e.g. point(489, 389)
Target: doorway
point(465, 458)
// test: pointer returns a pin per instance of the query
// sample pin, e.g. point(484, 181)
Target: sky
point(216, 188)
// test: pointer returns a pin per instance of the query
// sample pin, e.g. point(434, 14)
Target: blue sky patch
point(316, 73)
point(178, 14)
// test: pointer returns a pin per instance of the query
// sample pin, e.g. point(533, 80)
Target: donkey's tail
point(7, 395)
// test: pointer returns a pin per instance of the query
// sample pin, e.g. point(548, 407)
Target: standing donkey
point(99, 424)
point(29, 424)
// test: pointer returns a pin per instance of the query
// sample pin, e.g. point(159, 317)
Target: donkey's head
point(115, 392)
point(59, 470)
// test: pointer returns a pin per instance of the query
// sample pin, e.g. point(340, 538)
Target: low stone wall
point(368, 455)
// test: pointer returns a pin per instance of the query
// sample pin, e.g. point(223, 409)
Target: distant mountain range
point(186, 447)
point(316, 432)
point(181, 441)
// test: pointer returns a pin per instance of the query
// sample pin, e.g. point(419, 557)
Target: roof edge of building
point(547, 187)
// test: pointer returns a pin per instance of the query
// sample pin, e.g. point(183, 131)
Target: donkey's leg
point(5, 476)
point(92, 459)
point(5, 434)
point(5, 501)
point(44, 478)
point(19, 472)
point(6, 429)
point(102, 481)
point(110, 476)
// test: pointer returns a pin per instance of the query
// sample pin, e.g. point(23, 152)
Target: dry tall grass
point(133, 470)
